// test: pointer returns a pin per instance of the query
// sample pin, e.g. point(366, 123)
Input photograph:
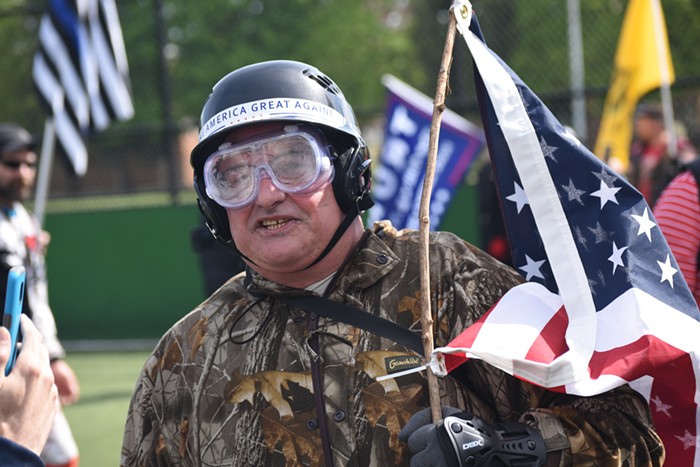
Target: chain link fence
point(534, 37)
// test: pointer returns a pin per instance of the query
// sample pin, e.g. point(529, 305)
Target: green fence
point(119, 274)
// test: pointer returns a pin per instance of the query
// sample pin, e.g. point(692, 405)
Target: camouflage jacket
point(231, 384)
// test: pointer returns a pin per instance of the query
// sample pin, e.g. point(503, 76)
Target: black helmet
point(283, 90)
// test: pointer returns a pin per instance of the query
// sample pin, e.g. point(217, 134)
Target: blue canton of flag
point(604, 303)
point(614, 232)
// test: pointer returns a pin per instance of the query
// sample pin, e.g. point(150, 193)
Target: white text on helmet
point(272, 109)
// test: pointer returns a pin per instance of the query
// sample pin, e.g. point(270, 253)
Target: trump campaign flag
point(642, 63)
point(604, 303)
point(81, 72)
point(398, 179)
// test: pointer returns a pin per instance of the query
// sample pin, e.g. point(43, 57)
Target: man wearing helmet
point(266, 372)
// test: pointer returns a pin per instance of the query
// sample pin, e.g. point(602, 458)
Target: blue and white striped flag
point(81, 72)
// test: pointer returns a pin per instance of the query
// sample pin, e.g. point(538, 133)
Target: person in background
point(28, 399)
point(490, 219)
point(652, 166)
point(677, 214)
point(23, 242)
point(263, 373)
point(218, 262)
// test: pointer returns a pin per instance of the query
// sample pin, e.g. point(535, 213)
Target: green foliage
point(352, 40)
point(17, 98)
point(683, 20)
point(344, 38)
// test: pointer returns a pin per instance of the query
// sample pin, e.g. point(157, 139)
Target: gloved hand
point(428, 442)
point(463, 439)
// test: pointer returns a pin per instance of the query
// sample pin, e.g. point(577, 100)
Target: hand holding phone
point(28, 395)
point(14, 298)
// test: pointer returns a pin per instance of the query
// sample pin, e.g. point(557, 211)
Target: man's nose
point(27, 171)
point(268, 193)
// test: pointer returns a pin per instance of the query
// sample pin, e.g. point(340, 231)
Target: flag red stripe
point(634, 360)
point(675, 411)
point(465, 339)
point(550, 343)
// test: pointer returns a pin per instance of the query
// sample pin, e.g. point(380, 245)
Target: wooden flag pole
point(424, 216)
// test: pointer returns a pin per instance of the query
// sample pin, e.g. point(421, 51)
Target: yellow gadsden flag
point(642, 63)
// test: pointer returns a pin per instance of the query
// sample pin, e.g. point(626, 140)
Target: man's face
point(283, 232)
point(17, 174)
point(647, 129)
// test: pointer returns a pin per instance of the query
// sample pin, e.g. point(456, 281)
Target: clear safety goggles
point(295, 161)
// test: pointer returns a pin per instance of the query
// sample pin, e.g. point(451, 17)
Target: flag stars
point(616, 257)
point(547, 150)
point(661, 407)
point(596, 285)
point(599, 233)
point(601, 278)
point(531, 268)
point(605, 176)
point(606, 193)
point(687, 439)
point(519, 197)
point(573, 193)
point(667, 271)
point(645, 224)
point(580, 239)
point(592, 284)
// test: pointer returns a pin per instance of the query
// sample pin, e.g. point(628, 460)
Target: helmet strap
point(349, 218)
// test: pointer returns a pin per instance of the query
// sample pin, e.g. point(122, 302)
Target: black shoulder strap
point(359, 318)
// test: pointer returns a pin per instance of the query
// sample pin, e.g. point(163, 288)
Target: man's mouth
point(274, 224)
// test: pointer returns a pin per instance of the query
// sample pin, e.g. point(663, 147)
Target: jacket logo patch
point(396, 364)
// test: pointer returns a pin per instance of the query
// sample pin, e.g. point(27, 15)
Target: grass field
point(107, 380)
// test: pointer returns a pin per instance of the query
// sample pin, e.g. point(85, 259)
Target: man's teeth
point(274, 224)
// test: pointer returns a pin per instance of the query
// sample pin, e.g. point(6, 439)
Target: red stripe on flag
point(672, 398)
point(550, 344)
point(465, 339)
point(675, 411)
point(634, 360)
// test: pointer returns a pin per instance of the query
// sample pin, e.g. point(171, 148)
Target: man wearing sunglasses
point(23, 242)
point(280, 365)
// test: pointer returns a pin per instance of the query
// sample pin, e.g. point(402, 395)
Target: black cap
point(652, 110)
point(13, 137)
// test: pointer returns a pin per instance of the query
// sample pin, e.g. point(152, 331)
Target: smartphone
point(14, 298)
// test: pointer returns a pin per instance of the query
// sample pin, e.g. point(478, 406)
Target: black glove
point(428, 442)
point(463, 439)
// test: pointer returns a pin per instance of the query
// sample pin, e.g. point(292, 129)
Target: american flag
point(81, 72)
point(604, 303)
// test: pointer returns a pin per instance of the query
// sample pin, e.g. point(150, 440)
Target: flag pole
point(577, 70)
point(665, 89)
point(424, 216)
point(44, 175)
